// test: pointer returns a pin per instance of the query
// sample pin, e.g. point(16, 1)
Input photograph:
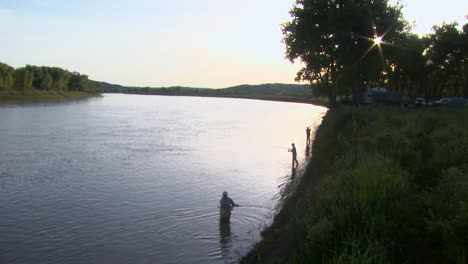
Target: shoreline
point(380, 187)
point(286, 99)
point(38, 96)
point(35, 96)
point(278, 238)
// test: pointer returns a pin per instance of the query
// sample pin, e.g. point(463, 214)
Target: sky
point(197, 43)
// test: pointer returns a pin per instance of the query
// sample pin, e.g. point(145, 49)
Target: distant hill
point(270, 91)
point(275, 88)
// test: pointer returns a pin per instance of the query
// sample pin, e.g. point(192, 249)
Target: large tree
point(23, 78)
point(6, 76)
point(339, 41)
point(447, 57)
point(406, 66)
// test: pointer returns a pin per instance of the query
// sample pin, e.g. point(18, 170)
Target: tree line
point(44, 78)
point(349, 46)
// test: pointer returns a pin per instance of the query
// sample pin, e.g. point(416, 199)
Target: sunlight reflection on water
point(137, 179)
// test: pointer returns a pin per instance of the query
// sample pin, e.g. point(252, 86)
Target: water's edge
point(276, 238)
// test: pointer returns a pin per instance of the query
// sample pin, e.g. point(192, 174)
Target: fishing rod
point(280, 147)
point(253, 205)
point(249, 205)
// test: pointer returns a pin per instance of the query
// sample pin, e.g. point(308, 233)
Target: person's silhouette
point(226, 205)
point(308, 135)
point(294, 154)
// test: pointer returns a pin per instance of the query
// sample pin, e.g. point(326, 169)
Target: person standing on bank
point(294, 154)
point(225, 208)
point(308, 135)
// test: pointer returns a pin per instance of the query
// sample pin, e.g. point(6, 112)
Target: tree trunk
point(425, 86)
point(465, 88)
point(332, 96)
point(357, 94)
point(410, 89)
point(441, 89)
point(464, 80)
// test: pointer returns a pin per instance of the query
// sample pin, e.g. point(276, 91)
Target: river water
point(137, 179)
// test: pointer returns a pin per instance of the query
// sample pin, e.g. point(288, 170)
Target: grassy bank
point(33, 95)
point(385, 185)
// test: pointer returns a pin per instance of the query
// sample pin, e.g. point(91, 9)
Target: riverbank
point(384, 185)
point(297, 93)
point(34, 95)
point(319, 101)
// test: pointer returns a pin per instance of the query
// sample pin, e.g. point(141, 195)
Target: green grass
point(385, 185)
point(33, 95)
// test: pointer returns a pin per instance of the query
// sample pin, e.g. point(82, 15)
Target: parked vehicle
point(420, 101)
point(345, 99)
point(451, 101)
point(383, 95)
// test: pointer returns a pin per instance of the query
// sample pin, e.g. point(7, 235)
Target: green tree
point(6, 76)
point(406, 71)
point(334, 40)
point(46, 81)
point(447, 58)
point(44, 78)
point(60, 78)
point(39, 74)
point(78, 82)
point(464, 63)
point(23, 79)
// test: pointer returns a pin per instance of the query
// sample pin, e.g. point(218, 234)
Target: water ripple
point(137, 179)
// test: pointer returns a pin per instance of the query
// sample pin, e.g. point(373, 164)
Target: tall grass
point(390, 186)
point(395, 183)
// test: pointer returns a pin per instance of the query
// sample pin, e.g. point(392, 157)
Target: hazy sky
point(199, 43)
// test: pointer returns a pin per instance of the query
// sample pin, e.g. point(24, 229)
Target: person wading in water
point(308, 135)
point(225, 208)
point(294, 155)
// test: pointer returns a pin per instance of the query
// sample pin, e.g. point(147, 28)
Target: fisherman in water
point(294, 155)
point(226, 206)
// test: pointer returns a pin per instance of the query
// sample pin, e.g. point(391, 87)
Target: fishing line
point(254, 205)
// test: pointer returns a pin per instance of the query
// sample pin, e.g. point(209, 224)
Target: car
point(346, 99)
point(419, 101)
point(451, 100)
point(457, 100)
point(442, 101)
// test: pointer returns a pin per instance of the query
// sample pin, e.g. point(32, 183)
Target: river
point(137, 179)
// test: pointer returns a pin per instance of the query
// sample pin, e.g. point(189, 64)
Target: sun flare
point(378, 40)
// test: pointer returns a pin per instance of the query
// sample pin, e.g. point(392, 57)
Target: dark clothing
point(294, 152)
point(225, 208)
point(294, 156)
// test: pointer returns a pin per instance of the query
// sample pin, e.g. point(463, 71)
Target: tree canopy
point(351, 45)
point(43, 78)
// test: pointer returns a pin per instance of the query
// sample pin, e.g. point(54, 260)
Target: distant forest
point(44, 78)
point(272, 91)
